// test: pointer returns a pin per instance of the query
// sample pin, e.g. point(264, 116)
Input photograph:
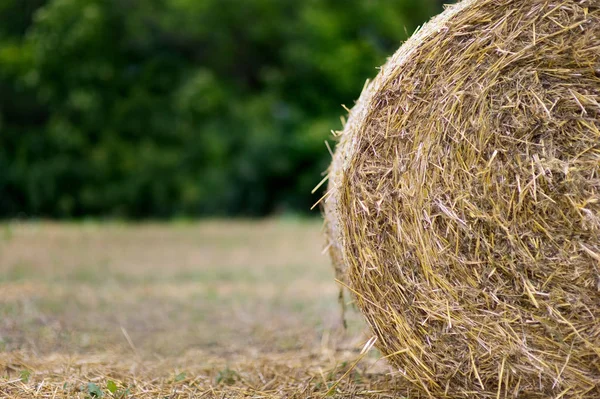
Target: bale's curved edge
point(464, 199)
point(347, 138)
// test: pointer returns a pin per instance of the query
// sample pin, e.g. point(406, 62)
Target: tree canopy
point(162, 108)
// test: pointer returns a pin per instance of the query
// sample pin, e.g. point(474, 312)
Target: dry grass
point(242, 309)
point(465, 198)
point(197, 374)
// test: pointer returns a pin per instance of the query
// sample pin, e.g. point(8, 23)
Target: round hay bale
point(465, 200)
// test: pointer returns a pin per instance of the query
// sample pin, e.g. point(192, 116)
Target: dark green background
point(171, 108)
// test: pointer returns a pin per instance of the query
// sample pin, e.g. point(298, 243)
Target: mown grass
point(244, 309)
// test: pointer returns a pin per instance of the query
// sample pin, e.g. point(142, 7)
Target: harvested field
point(211, 309)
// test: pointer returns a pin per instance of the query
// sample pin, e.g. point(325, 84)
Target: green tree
point(156, 108)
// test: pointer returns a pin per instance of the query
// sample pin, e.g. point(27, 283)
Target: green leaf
point(25, 374)
point(180, 377)
point(227, 376)
point(111, 386)
point(94, 391)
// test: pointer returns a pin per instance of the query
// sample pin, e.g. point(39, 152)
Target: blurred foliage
point(162, 108)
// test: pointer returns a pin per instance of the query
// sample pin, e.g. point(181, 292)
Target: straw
point(464, 208)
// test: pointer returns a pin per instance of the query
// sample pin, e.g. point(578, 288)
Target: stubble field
point(192, 310)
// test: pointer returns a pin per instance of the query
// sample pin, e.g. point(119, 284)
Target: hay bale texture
point(464, 202)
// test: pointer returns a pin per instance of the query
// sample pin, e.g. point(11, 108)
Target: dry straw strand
point(463, 205)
